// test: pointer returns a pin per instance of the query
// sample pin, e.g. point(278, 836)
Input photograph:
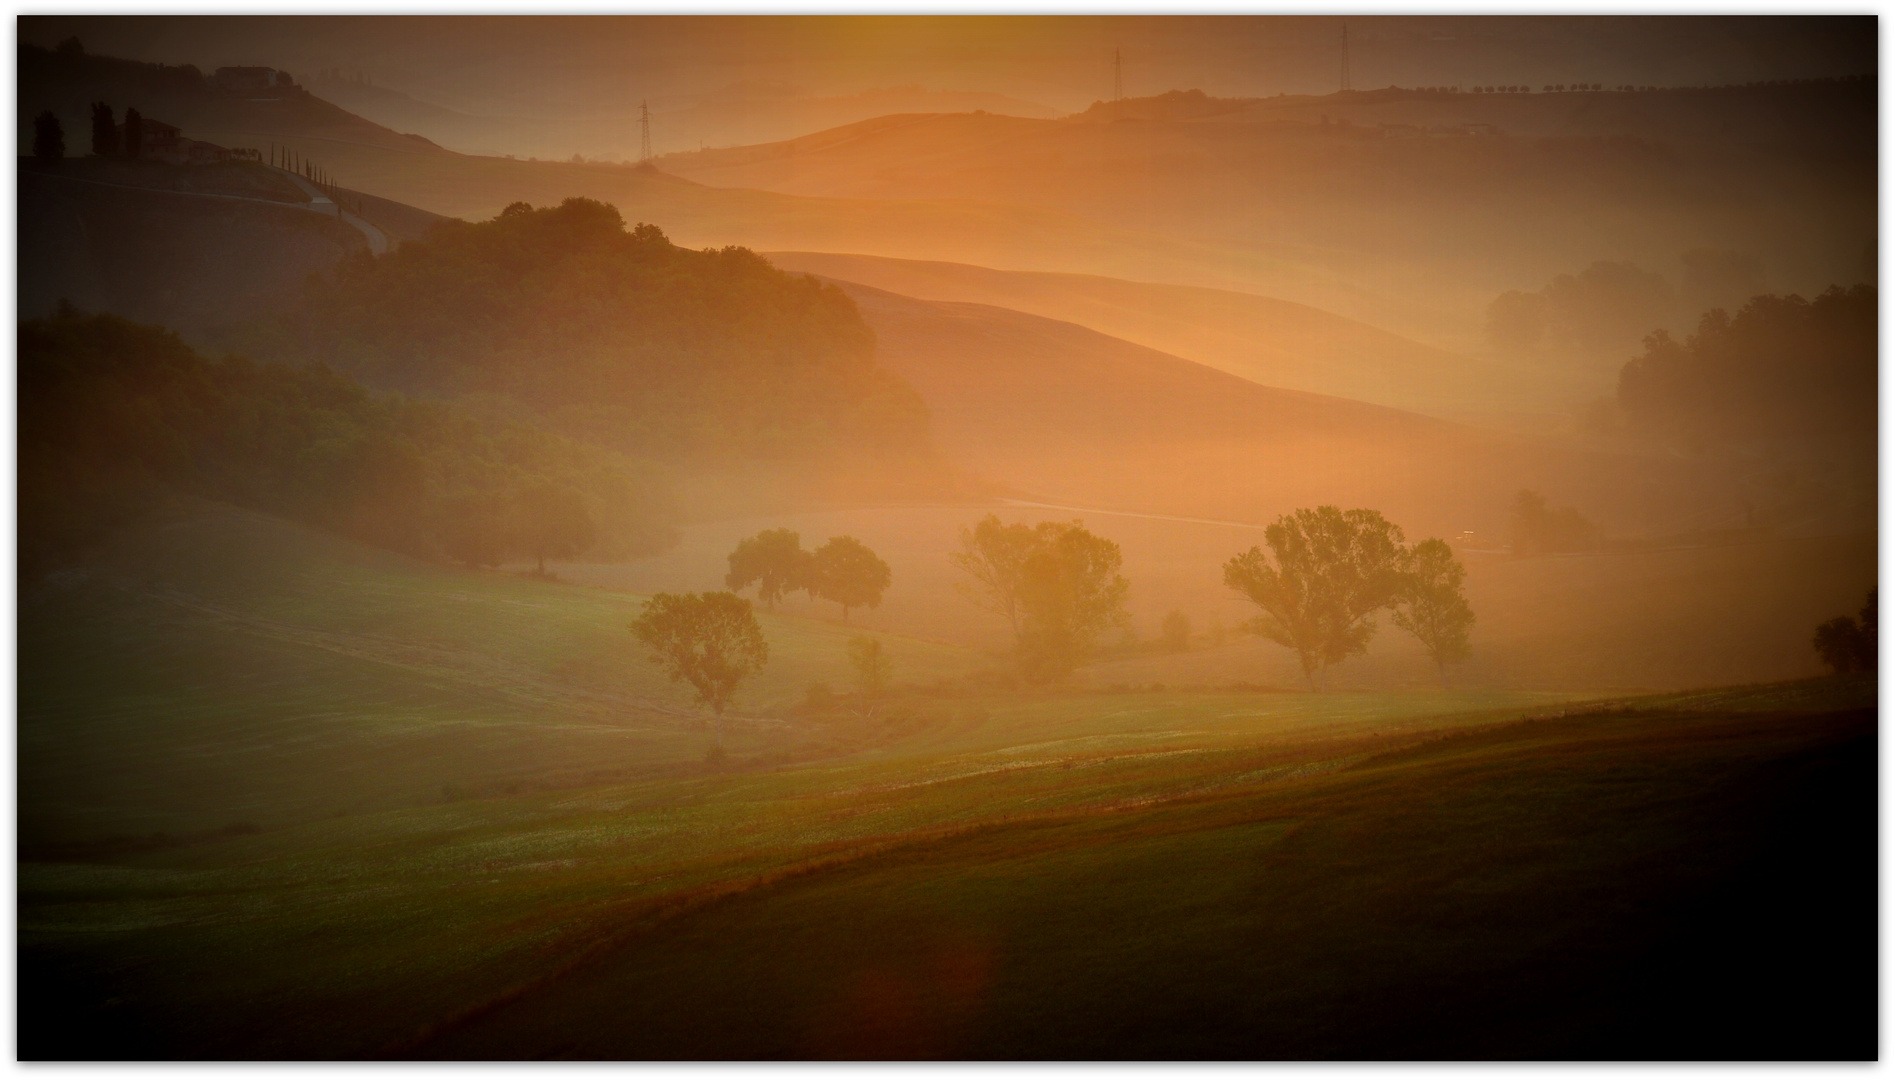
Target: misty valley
point(793, 564)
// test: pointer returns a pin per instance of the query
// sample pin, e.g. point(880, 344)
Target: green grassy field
point(417, 812)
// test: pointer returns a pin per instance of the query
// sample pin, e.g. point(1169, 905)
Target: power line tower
point(644, 132)
point(1345, 58)
point(1118, 77)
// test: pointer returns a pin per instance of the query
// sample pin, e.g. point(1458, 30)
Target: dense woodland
point(623, 338)
point(119, 417)
point(1781, 368)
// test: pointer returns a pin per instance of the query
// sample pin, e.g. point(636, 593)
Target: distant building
point(166, 142)
point(250, 80)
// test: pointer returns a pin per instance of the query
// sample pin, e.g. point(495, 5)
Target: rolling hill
point(1413, 217)
point(1067, 415)
point(1259, 338)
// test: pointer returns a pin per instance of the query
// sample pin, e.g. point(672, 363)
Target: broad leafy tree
point(710, 640)
point(773, 560)
point(1326, 574)
point(1848, 645)
point(991, 555)
point(845, 571)
point(1431, 605)
point(1057, 585)
point(1070, 592)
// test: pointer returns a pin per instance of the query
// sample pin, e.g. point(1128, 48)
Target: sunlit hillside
point(1262, 339)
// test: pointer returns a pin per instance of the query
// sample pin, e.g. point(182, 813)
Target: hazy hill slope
point(265, 673)
point(1070, 415)
point(207, 250)
point(1378, 226)
point(1263, 339)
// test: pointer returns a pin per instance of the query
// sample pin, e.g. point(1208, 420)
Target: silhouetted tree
point(134, 134)
point(1175, 632)
point(1333, 570)
point(1430, 604)
point(1848, 645)
point(1070, 592)
point(552, 522)
point(104, 130)
point(992, 554)
point(846, 571)
point(773, 560)
point(49, 139)
point(710, 640)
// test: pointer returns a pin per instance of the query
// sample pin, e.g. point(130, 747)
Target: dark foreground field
point(1682, 877)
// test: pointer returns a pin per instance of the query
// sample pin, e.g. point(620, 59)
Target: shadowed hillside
point(212, 251)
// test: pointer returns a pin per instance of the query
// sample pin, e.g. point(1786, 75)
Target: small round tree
point(710, 640)
point(846, 571)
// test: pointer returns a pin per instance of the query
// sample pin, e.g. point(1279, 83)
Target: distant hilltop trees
point(618, 336)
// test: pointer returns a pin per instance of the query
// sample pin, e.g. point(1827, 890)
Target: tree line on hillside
point(115, 417)
point(623, 338)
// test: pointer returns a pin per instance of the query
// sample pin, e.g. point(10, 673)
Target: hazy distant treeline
point(116, 416)
point(1782, 368)
point(623, 338)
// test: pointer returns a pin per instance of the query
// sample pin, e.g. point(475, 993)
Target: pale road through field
point(323, 204)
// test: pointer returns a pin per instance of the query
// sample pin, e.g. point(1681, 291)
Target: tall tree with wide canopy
point(710, 640)
point(1327, 573)
point(773, 560)
point(992, 554)
point(1431, 605)
point(845, 571)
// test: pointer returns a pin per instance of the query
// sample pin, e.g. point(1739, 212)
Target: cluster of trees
point(1538, 529)
point(1329, 571)
point(1605, 306)
point(843, 570)
point(621, 337)
point(117, 417)
point(1848, 645)
point(1326, 575)
point(1781, 367)
point(1057, 585)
